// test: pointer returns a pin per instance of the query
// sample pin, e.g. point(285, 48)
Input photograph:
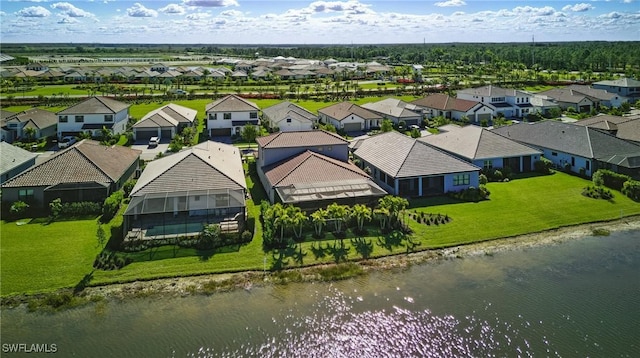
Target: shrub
point(210, 237)
point(246, 236)
point(567, 167)
point(471, 194)
point(597, 192)
point(497, 175)
point(56, 207)
point(111, 205)
point(610, 179)
point(18, 208)
point(631, 188)
point(543, 165)
point(483, 179)
point(583, 171)
point(128, 186)
point(81, 208)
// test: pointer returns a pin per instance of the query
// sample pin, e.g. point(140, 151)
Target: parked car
point(66, 142)
point(154, 141)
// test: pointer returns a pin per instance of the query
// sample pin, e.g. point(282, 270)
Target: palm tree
point(382, 214)
point(361, 213)
point(297, 219)
point(338, 213)
point(319, 218)
point(29, 133)
point(280, 218)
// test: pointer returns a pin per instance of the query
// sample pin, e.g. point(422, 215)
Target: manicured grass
point(37, 257)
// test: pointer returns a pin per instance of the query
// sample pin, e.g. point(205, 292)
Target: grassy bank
point(40, 258)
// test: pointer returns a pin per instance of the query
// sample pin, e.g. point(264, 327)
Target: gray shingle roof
point(39, 118)
point(622, 82)
point(568, 138)
point(394, 107)
point(12, 156)
point(169, 115)
point(340, 111)
point(87, 161)
point(402, 156)
point(476, 143)
point(231, 103)
point(208, 165)
point(300, 139)
point(281, 110)
point(96, 105)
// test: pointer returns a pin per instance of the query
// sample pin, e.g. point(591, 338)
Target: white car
point(154, 141)
point(66, 142)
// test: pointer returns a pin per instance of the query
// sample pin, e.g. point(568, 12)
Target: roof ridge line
point(91, 161)
point(309, 155)
point(163, 172)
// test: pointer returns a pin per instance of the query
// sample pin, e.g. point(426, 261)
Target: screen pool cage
point(347, 192)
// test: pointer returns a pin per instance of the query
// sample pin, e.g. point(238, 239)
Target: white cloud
point(67, 20)
point(138, 10)
point(210, 3)
point(449, 3)
point(352, 7)
point(231, 13)
point(578, 7)
point(70, 10)
point(173, 9)
point(34, 11)
point(2, 13)
point(198, 16)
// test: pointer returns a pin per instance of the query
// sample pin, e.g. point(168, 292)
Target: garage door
point(352, 127)
point(486, 116)
point(166, 134)
point(221, 132)
point(145, 134)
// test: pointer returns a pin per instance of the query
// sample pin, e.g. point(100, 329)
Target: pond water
point(576, 299)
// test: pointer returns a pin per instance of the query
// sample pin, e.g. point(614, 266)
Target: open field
point(38, 257)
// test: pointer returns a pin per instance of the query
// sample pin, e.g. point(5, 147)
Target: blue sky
point(316, 22)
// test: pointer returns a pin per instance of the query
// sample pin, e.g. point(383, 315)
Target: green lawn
point(37, 257)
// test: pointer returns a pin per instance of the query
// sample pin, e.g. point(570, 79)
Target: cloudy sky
point(317, 22)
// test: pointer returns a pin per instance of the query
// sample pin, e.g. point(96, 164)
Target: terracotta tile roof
point(87, 161)
point(340, 111)
point(231, 103)
point(96, 105)
point(300, 139)
point(311, 167)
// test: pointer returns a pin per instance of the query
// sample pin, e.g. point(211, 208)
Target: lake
point(580, 298)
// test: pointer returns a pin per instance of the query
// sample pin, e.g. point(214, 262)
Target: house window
point(488, 164)
point(517, 100)
point(555, 154)
point(63, 119)
point(213, 116)
point(25, 195)
point(586, 164)
point(227, 115)
point(253, 115)
point(108, 117)
point(288, 120)
point(461, 179)
point(79, 119)
point(196, 198)
point(573, 161)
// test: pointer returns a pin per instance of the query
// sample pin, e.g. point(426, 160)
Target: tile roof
point(622, 82)
point(168, 115)
point(311, 167)
point(231, 103)
point(569, 138)
point(476, 143)
point(401, 156)
point(565, 95)
point(208, 165)
point(96, 105)
point(492, 91)
point(593, 92)
point(283, 109)
point(445, 102)
point(300, 139)
point(394, 107)
point(87, 161)
point(35, 117)
point(340, 111)
point(600, 120)
point(12, 156)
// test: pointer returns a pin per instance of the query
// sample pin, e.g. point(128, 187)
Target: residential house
point(87, 171)
point(311, 169)
point(287, 117)
point(578, 148)
point(349, 117)
point(43, 124)
point(567, 98)
point(396, 111)
point(92, 115)
point(627, 128)
point(509, 102)
point(440, 104)
point(625, 87)
point(159, 67)
point(178, 194)
point(602, 97)
point(164, 122)
point(543, 105)
point(485, 149)
point(406, 167)
point(226, 116)
point(14, 160)
point(5, 134)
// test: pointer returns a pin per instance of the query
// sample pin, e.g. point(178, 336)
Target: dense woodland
point(614, 57)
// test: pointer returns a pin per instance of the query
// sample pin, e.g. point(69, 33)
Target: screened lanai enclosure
point(183, 213)
point(311, 196)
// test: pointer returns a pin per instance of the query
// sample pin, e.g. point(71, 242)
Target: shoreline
point(214, 283)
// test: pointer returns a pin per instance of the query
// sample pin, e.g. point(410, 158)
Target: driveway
point(149, 153)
